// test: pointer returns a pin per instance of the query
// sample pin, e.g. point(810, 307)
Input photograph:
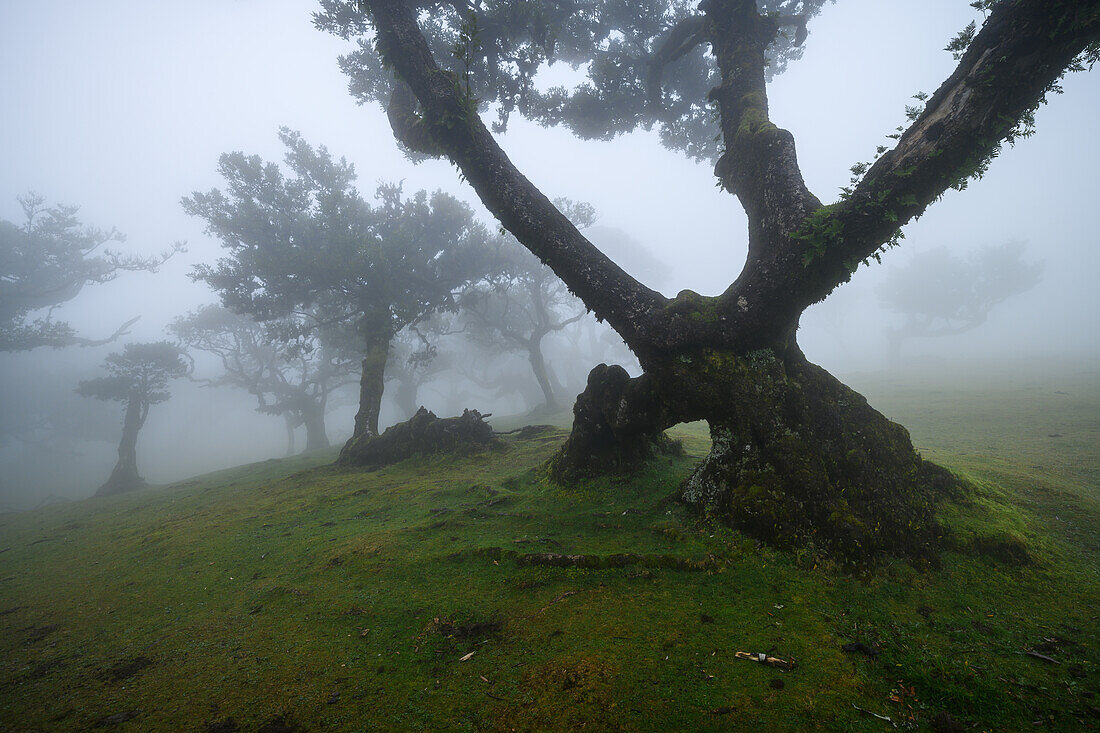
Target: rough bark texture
point(798, 457)
point(125, 475)
point(423, 434)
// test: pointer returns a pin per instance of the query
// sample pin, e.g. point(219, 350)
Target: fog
point(123, 108)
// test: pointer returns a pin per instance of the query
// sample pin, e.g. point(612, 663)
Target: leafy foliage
point(290, 365)
point(644, 62)
point(46, 262)
point(140, 372)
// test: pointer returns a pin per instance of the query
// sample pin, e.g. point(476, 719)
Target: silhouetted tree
point(46, 262)
point(516, 305)
point(940, 294)
point(138, 376)
point(796, 454)
point(311, 242)
point(287, 364)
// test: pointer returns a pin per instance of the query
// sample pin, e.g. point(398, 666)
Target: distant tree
point(290, 365)
point(47, 261)
point(138, 376)
point(940, 294)
point(419, 356)
point(311, 242)
point(517, 305)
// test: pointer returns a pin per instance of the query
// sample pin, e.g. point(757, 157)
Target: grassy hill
point(290, 595)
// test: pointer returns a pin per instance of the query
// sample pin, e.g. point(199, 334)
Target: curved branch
point(454, 124)
point(1019, 55)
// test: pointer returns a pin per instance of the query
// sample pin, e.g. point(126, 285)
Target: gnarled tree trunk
point(797, 456)
point(542, 374)
point(313, 417)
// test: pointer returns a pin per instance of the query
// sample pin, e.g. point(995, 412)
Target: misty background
point(122, 108)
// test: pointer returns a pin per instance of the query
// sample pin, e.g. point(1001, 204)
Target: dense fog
point(123, 108)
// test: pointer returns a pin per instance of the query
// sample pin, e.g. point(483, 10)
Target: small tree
point(517, 305)
point(287, 364)
point(138, 376)
point(311, 242)
point(940, 294)
point(46, 262)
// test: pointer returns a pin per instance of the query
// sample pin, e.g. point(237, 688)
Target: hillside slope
point(290, 595)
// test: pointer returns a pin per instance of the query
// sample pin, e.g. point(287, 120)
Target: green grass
point(345, 600)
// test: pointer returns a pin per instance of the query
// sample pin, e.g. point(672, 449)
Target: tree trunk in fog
point(538, 366)
point(405, 396)
point(313, 417)
point(376, 338)
point(288, 421)
point(125, 475)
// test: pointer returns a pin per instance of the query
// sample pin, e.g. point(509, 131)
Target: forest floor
point(291, 595)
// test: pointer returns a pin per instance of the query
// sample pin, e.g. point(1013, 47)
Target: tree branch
point(454, 124)
point(1020, 53)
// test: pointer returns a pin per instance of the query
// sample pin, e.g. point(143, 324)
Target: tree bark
point(125, 475)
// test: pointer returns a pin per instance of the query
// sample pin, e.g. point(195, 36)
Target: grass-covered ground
point(289, 593)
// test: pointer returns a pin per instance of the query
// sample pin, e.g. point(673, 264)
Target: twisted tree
point(797, 455)
point(138, 376)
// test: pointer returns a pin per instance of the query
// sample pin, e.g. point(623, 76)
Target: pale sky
point(123, 107)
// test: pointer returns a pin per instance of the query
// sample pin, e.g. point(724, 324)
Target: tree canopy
point(942, 294)
point(645, 63)
point(45, 262)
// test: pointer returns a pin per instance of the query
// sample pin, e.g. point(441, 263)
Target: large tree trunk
point(313, 417)
point(371, 385)
point(797, 457)
point(125, 475)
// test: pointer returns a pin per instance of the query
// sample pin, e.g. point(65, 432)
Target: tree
point(138, 377)
point(797, 456)
point(940, 294)
point(290, 365)
point(46, 262)
point(311, 242)
point(517, 305)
